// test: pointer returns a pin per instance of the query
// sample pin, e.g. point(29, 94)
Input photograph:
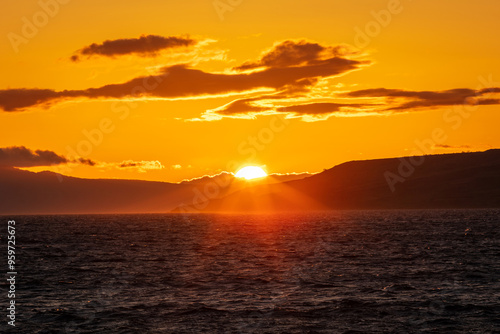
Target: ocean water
point(342, 272)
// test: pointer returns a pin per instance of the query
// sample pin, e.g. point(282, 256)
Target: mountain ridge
point(364, 184)
point(441, 181)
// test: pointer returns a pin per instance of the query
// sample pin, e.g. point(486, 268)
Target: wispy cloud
point(141, 166)
point(293, 78)
point(20, 156)
point(451, 147)
point(295, 53)
point(251, 107)
point(144, 46)
point(402, 100)
point(183, 82)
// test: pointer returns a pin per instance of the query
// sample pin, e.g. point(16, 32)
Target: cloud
point(451, 147)
point(20, 156)
point(247, 108)
point(20, 99)
point(144, 46)
point(87, 162)
point(292, 77)
point(376, 101)
point(323, 108)
point(179, 81)
point(295, 53)
point(402, 100)
point(141, 166)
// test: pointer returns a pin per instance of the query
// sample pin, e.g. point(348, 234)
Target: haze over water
point(341, 272)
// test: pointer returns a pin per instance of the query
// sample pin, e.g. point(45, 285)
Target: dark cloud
point(321, 108)
point(294, 53)
point(145, 46)
point(127, 164)
point(484, 102)
point(180, 81)
point(250, 105)
point(395, 100)
point(246, 106)
point(141, 166)
point(403, 100)
point(20, 156)
point(282, 102)
point(19, 99)
point(451, 147)
point(424, 95)
point(292, 73)
point(87, 162)
point(490, 90)
point(242, 106)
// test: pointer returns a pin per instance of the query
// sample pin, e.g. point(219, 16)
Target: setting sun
point(251, 172)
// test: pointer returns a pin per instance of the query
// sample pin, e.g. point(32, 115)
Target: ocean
point(413, 271)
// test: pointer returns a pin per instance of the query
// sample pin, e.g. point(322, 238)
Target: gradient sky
point(292, 86)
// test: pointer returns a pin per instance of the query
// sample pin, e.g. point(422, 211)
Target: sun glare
point(251, 172)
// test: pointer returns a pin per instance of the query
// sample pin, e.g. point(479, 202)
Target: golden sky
point(171, 90)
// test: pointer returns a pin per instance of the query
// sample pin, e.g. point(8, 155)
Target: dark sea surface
point(342, 272)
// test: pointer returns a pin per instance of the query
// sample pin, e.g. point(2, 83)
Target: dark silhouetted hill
point(461, 180)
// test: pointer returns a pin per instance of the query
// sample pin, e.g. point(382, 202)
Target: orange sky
point(234, 83)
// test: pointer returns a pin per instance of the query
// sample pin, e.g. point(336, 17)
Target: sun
point(251, 172)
